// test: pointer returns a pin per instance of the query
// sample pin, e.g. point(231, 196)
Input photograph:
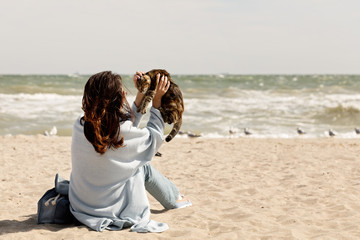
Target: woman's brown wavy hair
point(105, 107)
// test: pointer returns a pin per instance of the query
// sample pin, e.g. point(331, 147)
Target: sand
point(241, 188)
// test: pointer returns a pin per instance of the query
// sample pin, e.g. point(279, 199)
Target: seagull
point(357, 130)
point(189, 134)
point(193, 135)
point(52, 132)
point(247, 131)
point(331, 133)
point(182, 132)
point(300, 131)
point(231, 131)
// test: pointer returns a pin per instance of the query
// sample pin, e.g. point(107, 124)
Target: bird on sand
point(189, 134)
point(247, 131)
point(332, 133)
point(300, 131)
point(357, 130)
point(193, 135)
point(232, 131)
point(52, 132)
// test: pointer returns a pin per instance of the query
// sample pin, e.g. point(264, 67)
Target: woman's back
point(107, 189)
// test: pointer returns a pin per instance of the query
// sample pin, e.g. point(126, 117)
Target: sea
point(216, 106)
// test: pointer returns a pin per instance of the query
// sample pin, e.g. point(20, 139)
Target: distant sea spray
point(215, 105)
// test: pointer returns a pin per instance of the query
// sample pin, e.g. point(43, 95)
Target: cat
point(172, 103)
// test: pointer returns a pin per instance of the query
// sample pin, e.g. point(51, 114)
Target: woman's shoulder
point(77, 123)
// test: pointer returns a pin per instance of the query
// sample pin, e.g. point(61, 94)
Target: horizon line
point(184, 74)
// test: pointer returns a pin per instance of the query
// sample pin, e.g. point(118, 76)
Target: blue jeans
point(161, 188)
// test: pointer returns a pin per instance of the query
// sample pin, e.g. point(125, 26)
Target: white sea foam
point(34, 113)
point(272, 114)
point(40, 106)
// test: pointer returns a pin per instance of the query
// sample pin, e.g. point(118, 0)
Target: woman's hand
point(162, 86)
point(136, 76)
point(139, 95)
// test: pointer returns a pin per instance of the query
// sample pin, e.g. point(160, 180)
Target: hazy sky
point(183, 36)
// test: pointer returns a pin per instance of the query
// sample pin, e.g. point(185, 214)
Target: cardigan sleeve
point(154, 134)
point(138, 115)
point(155, 126)
point(142, 143)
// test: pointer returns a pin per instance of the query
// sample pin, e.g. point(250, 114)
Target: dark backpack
point(54, 205)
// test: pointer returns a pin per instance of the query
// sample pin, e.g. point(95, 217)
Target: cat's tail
point(174, 130)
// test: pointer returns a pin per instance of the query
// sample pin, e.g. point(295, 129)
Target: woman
point(111, 155)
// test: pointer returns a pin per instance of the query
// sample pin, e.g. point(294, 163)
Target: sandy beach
point(241, 188)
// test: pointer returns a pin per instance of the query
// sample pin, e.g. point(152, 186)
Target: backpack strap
point(61, 185)
point(52, 200)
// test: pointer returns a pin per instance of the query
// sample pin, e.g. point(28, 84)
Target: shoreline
point(349, 135)
point(241, 188)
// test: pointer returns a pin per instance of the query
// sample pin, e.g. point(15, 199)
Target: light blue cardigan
point(107, 191)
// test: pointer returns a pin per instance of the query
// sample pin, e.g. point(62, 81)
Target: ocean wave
point(339, 115)
point(272, 105)
point(40, 106)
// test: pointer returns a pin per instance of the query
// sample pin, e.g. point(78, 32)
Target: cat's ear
point(147, 79)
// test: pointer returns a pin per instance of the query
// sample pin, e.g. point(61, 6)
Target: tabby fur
point(172, 103)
